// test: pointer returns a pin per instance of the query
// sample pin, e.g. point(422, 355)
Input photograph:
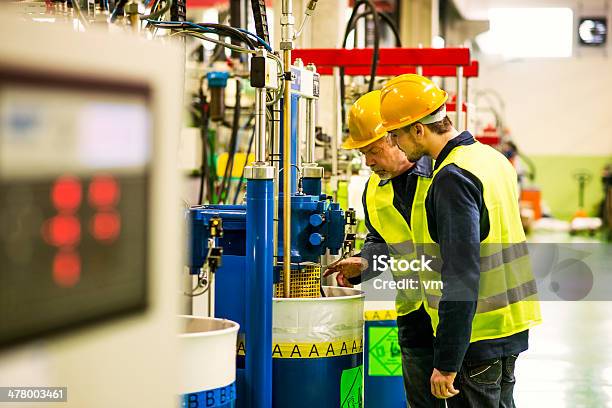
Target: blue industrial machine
point(250, 268)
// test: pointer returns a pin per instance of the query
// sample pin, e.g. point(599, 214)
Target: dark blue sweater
point(458, 221)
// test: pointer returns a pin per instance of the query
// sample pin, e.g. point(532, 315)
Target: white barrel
point(208, 354)
point(318, 350)
point(338, 315)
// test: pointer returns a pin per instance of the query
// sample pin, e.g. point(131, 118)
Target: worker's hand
point(442, 384)
point(346, 268)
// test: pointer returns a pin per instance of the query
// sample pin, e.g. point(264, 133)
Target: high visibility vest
point(396, 232)
point(507, 295)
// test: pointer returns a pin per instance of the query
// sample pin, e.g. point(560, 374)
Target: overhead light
point(593, 31)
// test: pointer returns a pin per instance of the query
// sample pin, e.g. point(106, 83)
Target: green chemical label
point(384, 354)
point(351, 388)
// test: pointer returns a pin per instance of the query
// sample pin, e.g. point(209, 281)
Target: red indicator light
point(106, 226)
point(66, 194)
point(66, 269)
point(62, 231)
point(103, 192)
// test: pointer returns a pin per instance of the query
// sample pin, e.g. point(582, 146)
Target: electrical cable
point(203, 37)
point(209, 28)
point(234, 32)
point(158, 13)
point(245, 163)
point(258, 38)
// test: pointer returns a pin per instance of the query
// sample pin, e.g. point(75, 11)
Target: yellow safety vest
point(396, 232)
point(507, 296)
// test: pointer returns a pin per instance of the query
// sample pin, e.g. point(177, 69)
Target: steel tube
point(260, 125)
point(310, 129)
point(286, 46)
point(336, 135)
point(459, 100)
point(287, 179)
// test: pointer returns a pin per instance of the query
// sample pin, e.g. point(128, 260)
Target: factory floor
point(569, 362)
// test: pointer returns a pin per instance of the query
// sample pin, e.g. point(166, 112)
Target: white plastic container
point(208, 358)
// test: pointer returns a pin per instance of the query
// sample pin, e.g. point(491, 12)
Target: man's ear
point(419, 131)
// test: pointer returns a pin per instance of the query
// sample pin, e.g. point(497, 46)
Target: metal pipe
point(337, 134)
point(276, 116)
point(467, 113)
point(287, 180)
point(260, 125)
point(311, 122)
point(286, 45)
point(299, 134)
point(459, 99)
point(310, 129)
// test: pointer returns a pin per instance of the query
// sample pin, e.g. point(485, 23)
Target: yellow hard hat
point(364, 122)
point(408, 98)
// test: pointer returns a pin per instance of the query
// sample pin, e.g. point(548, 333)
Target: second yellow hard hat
point(364, 122)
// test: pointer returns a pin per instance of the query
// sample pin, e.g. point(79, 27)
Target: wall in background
point(558, 111)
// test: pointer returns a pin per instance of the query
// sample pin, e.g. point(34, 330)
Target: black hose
point(375, 55)
point(204, 138)
point(386, 19)
point(227, 175)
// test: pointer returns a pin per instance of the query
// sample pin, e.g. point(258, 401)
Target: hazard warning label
point(384, 354)
point(351, 388)
point(333, 348)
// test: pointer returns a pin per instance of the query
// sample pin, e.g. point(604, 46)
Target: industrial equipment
point(317, 226)
point(87, 180)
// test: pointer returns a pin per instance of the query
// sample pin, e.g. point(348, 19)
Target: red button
point(66, 269)
point(62, 231)
point(66, 194)
point(103, 192)
point(106, 226)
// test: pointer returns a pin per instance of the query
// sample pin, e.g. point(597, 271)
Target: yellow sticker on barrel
point(326, 349)
point(380, 315)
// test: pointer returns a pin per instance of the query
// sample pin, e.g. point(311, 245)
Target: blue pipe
point(259, 284)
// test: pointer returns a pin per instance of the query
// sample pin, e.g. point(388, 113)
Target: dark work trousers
point(417, 367)
point(485, 384)
point(481, 384)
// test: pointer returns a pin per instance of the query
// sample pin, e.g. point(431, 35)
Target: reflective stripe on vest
point(396, 232)
point(507, 295)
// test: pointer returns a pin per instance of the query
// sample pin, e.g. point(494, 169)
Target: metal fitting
point(312, 171)
point(263, 172)
point(287, 19)
point(131, 8)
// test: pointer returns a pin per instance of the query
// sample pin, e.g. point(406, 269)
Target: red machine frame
point(442, 62)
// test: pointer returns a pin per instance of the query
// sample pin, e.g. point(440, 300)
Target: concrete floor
point(569, 362)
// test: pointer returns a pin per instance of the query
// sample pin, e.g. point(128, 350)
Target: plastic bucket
point(208, 362)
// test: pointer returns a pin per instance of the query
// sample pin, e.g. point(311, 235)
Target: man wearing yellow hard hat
point(471, 228)
point(393, 196)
